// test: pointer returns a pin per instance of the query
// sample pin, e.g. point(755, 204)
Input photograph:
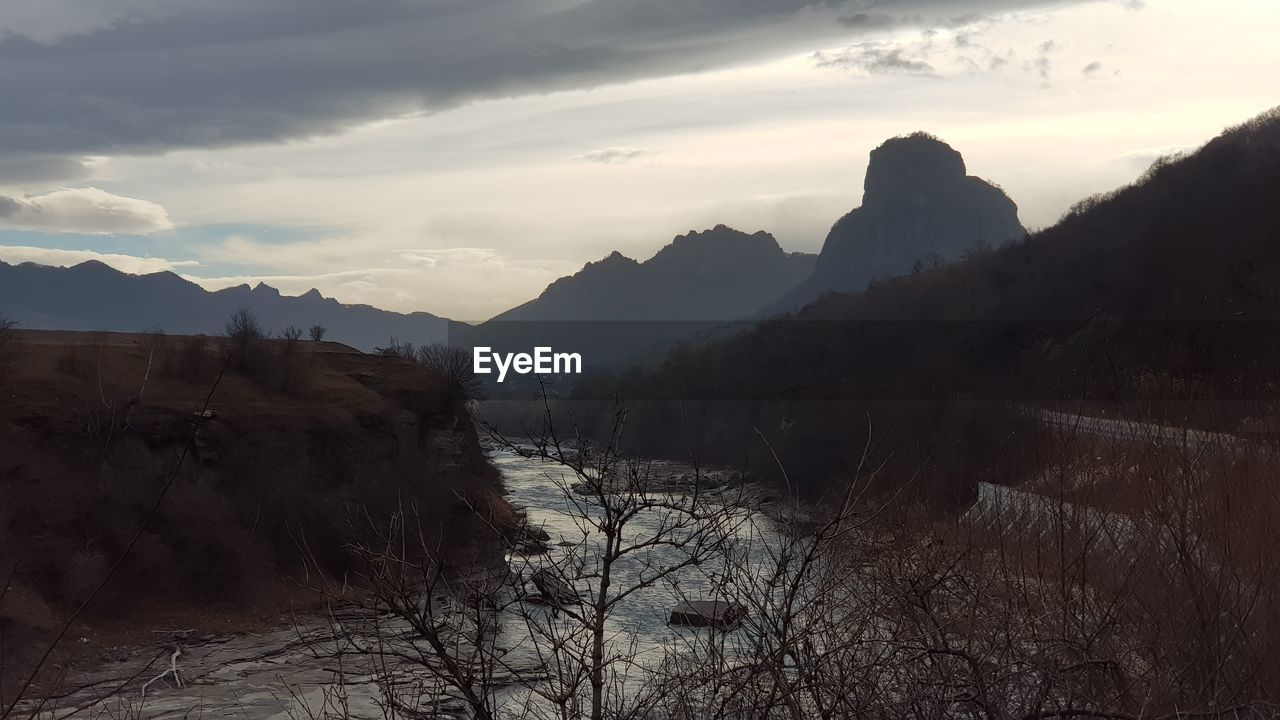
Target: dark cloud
point(869, 21)
point(152, 75)
point(613, 155)
point(874, 59)
point(21, 169)
point(9, 206)
point(1042, 64)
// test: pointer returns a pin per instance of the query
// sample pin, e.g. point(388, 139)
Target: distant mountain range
point(93, 296)
point(919, 210)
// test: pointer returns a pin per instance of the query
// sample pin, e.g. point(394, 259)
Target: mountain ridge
point(95, 296)
point(715, 274)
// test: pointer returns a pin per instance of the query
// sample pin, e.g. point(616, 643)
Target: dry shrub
point(1148, 560)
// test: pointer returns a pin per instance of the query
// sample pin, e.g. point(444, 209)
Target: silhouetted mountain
point(1159, 299)
point(93, 296)
point(919, 210)
point(619, 311)
point(717, 274)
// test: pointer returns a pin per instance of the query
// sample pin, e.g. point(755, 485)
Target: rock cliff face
point(716, 274)
point(920, 209)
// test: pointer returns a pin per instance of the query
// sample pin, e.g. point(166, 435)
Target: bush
point(455, 366)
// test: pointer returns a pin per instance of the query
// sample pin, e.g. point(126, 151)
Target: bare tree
point(244, 325)
point(396, 349)
point(637, 535)
point(245, 334)
point(454, 364)
point(317, 332)
point(1130, 577)
point(291, 334)
point(424, 626)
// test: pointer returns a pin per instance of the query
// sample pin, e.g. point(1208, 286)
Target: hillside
point(1157, 300)
point(718, 274)
point(95, 426)
point(93, 296)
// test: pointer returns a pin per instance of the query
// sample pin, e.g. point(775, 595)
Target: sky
point(456, 156)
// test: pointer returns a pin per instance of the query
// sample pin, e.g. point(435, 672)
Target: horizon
point(465, 192)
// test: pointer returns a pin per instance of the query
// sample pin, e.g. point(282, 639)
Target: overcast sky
point(455, 156)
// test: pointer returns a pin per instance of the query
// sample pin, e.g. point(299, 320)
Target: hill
point(93, 296)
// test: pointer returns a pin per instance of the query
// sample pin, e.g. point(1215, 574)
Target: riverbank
point(222, 487)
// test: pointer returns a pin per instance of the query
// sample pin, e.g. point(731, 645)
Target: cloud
point(1043, 66)
point(126, 76)
point(873, 59)
point(441, 281)
point(612, 155)
point(1092, 68)
point(43, 169)
point(88, 211)
point(869, 21)
point(15, 254)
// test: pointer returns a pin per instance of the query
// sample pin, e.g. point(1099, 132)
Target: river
point(305, 669)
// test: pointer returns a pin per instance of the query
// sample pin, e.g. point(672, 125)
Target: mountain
point(919, 210)
point(618, 311)
point(716, 274)
point(1159, 300)
point(93, 296)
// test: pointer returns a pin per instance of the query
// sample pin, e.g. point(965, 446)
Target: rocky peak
point(910, 165)
point(919, 210)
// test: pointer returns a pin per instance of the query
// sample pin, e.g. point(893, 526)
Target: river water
point(306, 669)
point(638, 630)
